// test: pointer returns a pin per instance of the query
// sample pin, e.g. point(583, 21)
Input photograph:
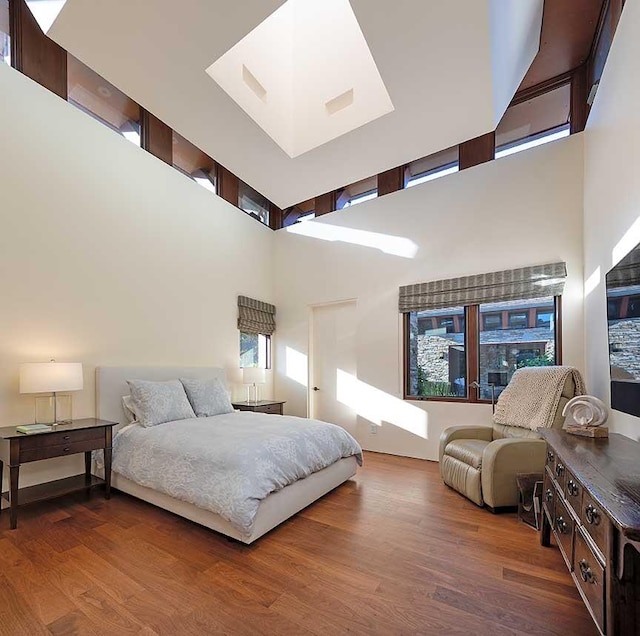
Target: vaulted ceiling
point(450, 69)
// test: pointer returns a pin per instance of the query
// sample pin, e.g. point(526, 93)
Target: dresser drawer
point(594, 521)
point(549, 495)
point(560, 473)
point(564, 525)
point(573, 492)
point(589, 575)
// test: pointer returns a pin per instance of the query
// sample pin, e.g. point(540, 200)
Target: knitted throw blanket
point(531, 398)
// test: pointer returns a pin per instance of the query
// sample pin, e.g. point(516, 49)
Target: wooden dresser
point(591, 503)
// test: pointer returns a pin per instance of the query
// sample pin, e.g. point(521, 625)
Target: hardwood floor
point(392, 552)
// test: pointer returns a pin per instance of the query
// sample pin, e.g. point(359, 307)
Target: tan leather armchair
point(481, 462)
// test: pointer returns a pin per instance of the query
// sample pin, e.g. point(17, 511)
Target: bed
point(269, 512)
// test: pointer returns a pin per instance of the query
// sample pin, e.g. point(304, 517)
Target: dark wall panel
point(33, 53)
point(156, 137)
point(477, 151)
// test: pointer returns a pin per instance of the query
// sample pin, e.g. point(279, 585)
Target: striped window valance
point(254, 316)
point(511, 284)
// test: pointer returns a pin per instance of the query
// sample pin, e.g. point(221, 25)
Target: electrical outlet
point(373, 429)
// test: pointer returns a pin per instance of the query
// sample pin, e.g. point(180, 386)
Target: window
point(5, 40)
point(491, 322)
point(518, 345)
point(518, 319)
point(544, 318)
point(432, 167)
point(437, 353)
point(534, 122)
point(95, 96)
point(255, 350)
point(448, 351)
point(194, 163)
point(253, 203)
point(356, 193)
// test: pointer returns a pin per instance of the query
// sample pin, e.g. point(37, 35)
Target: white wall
point(612, 195)
point(521, 210)
point(109, 256)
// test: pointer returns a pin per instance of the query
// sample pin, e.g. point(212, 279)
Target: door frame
point(310, 348)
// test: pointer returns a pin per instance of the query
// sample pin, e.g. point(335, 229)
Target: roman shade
point(511, 284)
point(255, 316)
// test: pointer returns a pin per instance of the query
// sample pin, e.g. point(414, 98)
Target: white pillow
point(208, 397)
point(160, 402)
point(129, 408)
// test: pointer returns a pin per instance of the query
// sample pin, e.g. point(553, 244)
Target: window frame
point(472, 351)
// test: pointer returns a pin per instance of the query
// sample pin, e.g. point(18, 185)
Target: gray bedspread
point(228, 463)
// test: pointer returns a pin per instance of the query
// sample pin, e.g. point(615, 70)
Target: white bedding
point(228, 463)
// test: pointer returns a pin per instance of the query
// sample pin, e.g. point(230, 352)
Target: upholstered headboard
point(111, 384)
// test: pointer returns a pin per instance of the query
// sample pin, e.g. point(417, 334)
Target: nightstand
point(69, 438)
point(262, 406)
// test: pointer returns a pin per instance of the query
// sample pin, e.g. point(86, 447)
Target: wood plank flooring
point(392, 552)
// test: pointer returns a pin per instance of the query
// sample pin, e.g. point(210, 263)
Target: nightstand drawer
point(270, 408)
point(62, 438)
point(46, 452)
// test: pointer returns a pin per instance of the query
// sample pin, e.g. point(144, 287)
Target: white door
point(333, 362)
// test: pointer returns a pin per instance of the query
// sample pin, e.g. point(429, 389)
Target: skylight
point(300, 86)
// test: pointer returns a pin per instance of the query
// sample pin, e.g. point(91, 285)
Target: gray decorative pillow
point(207, 397)
point(160, 402)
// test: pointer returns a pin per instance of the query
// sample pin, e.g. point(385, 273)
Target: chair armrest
point(464, 432)
point(502, 460)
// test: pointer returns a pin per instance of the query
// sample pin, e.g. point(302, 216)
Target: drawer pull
point(66, 438)
point(561, 525)
point(573, 488)
point(592, 515)
point(559, 470)
point(67, 449)
point(585, 572)
point(550, 457)
point(549, 494)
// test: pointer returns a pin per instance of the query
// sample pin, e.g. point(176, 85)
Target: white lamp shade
point(50, 377)
point(234, 375)
point(253, 375)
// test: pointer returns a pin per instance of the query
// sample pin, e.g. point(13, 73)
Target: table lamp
point(51, 377)
point(253, 376)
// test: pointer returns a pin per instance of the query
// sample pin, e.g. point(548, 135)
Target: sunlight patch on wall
point(592, 282)
point(379, 407)
point(296, 366)
point(626, 243)
point(387, 243)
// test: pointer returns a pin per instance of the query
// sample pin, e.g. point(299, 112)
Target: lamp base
point(53, 409)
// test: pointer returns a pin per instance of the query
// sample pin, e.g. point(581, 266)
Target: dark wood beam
point(156, 137)
point(276, 216)
point(540, 89)
point(477, 151)
point(390, 181)
point(325, 203)
point(33, 53)
point(228, 185)
point(579, 94)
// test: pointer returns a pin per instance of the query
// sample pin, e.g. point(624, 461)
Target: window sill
point(453, 400)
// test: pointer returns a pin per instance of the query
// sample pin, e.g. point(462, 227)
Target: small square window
point(255, 350)
point(518, 320)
